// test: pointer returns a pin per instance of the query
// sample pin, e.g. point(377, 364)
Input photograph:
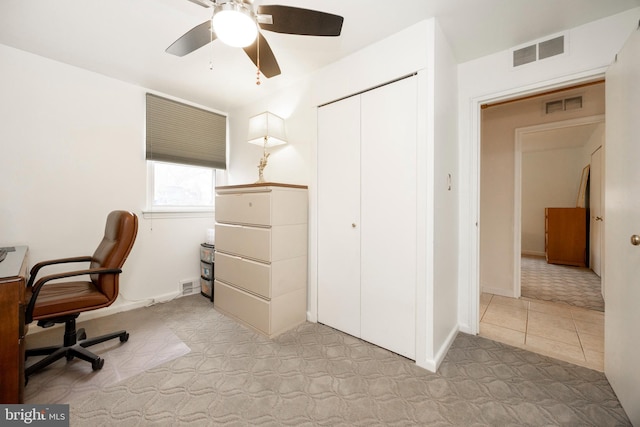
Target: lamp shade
point(267, 130)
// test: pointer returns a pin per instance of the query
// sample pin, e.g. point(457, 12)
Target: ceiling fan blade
point(203, 3)
point(294, 20)
point(268, 64)
point(193, 39)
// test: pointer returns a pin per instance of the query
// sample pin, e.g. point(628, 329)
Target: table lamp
point(266, 129)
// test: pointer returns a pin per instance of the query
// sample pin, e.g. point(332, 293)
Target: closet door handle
point(353, 225)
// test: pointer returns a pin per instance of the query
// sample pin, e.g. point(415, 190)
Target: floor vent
point(189, 287)
point(538, 51)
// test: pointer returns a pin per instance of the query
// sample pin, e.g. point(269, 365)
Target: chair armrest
point(35, 289)
point(36, 268)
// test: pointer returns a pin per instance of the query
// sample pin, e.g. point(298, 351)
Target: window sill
point(165, 213)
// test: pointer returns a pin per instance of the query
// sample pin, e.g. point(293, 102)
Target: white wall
point(289, 163)
point(592, 48)
point(72, 150)
point(446, 191)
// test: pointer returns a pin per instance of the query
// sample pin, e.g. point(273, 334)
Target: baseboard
point(497, 291)
point(117, 307)
point(167, 297)
point(444, 348)
point(311, 318)
point(534, 253)
point(432, 365)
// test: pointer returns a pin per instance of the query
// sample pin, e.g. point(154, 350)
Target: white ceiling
point(126, 39)
point(560, 138)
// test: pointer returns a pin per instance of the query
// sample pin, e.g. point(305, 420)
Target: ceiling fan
point(237, 23)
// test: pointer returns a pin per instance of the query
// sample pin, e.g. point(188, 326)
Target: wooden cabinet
point(13, 273)
point(566, 236)
point(261, 255)
point(367, 215)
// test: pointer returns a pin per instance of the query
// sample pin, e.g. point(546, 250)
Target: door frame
point(517, 199)
point(470, 224)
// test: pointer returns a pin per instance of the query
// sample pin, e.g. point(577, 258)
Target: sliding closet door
point(339, 215)
point(388, 216)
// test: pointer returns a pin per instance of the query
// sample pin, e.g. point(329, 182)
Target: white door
point(622, 215)
point(339, 215)
point(367, 215)
point(595, 208)
point(388, 236)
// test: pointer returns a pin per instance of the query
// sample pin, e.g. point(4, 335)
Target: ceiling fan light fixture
point(234, 24)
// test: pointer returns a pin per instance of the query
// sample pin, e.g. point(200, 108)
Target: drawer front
point(250, 275)
point(206, 287)
point(207, 253)
point(242, 305)
point(206, 270)
point(244, 208)
point(247, 242)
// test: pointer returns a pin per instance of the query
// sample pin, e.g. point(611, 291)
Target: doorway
point(550, 328)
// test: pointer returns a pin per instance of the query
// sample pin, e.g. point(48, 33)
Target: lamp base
point(261, 166)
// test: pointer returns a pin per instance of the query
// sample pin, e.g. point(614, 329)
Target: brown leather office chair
point(62, 302)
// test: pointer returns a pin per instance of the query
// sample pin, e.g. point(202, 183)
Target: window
point(180, 186)
point(185, 145)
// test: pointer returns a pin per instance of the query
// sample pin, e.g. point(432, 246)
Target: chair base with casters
point(75, 344)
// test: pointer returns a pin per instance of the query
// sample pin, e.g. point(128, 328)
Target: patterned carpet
point(315, 375)
point(560, 283)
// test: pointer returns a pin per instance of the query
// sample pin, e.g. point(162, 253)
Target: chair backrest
point(119, 235)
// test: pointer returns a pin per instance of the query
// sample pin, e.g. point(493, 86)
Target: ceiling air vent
point(536, 52)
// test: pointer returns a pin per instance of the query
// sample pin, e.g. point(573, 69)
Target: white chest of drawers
point(261, 255)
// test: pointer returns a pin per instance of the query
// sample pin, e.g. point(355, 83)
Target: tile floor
point(557, 330)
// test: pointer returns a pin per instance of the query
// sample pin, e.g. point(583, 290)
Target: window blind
point(180, 133)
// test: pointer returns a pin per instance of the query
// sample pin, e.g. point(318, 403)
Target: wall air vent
point(567, 104)
point(189, 286)
point(549, 48)
point(524, 55)
point(536, 52)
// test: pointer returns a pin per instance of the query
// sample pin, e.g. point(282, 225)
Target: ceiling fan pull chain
point(258, 62)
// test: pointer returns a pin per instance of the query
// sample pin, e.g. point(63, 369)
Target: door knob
point(353, 225)
point(635, 240)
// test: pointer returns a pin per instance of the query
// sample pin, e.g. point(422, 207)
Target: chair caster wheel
point(97, 364)
point(125, 337)
point(69, 357)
